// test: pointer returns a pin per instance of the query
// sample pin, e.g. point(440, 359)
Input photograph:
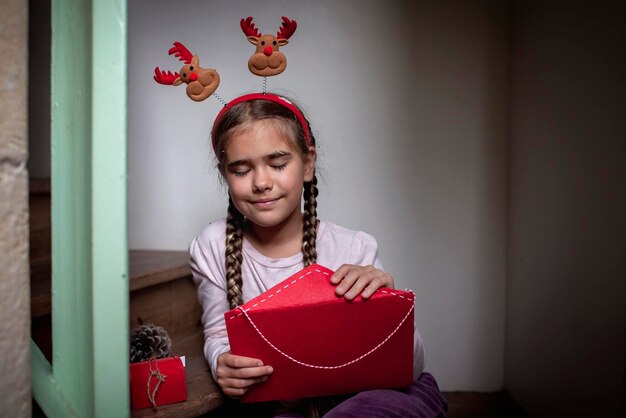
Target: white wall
point(567, 252)
point(409, 104)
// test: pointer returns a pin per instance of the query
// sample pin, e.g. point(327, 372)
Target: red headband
point(263, 96)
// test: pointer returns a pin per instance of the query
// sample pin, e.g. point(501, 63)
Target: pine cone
point(147, 341)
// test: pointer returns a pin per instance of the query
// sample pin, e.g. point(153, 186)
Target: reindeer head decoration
point(267, 60)
point(201, 82)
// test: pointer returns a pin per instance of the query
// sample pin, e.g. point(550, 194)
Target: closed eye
point(278, 160)
point(238, 171)
point(279, 167)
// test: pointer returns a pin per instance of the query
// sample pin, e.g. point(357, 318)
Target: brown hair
point(242, 116)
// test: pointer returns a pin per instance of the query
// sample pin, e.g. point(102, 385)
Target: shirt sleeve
point(364, 252)
point(211, 287)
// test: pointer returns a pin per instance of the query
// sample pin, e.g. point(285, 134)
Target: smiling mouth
point(264, 202)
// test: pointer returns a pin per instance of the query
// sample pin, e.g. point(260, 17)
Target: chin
point(265, 222)
point(269, 219)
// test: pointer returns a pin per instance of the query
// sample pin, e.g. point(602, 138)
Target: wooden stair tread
point(150, 267)
point(146, 268)
point(39, 185)
point(40, 293)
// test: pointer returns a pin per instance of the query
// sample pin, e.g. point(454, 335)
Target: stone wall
point(14, 268)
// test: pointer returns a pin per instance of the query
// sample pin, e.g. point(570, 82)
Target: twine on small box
point(160, 379)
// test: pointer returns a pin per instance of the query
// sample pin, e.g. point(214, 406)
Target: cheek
point(236, 185)
point(297, 179)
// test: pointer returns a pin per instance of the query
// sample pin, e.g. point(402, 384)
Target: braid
point(309, 224)
point(234, 256)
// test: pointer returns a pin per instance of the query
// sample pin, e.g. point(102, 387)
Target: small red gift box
point(160, 381)
point(320, 344)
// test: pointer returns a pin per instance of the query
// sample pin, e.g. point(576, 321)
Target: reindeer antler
point(163, 77)
point(248, 27)
point(287, 29)
point(181, 52)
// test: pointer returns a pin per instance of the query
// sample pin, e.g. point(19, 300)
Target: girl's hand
point(353, 280)
point(236, 374)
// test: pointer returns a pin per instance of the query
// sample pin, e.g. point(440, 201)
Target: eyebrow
point(269, 157)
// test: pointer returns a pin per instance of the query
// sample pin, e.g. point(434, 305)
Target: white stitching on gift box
point(314, 366)
point(301, 277)
point(278, 291)
point(245, 312)
point(398, 295)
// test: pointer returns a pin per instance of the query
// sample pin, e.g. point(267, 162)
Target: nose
point(262, 181)
point(268, 51)
point(193, 77)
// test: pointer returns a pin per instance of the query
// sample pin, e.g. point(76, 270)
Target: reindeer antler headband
point(201, 82)
point(266, 61)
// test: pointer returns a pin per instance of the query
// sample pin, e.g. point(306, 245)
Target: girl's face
point(265, 174)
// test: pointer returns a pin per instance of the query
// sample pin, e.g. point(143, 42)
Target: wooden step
point(203, 395)
point(40, 292)
point(149, 267)
point(161, 292)
point(146, 269)
point(39, 219)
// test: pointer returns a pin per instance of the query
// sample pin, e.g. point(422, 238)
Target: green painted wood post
point(109, 179)
point(89, 373)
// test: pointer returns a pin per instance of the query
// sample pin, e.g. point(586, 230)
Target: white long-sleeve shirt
point(335, 246)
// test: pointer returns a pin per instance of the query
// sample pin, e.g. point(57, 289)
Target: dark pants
point(420, 400)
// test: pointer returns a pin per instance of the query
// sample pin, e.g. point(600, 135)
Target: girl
point(266, 154)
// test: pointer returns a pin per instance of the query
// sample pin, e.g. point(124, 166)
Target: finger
point(340, 273)
point(234, 383)
point(238, 362)
point(225, 372)
point(355, 290)
point(366, 279)
point(252, 372)
point(233, 392)
point(384, 280)
point(353, 274)
point(388, 282)
point(360, 273)
point(238, 387)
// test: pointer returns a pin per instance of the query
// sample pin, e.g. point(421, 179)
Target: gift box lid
point(310, 286)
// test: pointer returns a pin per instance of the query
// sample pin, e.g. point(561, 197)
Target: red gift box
point(320, 344)
point(163, 380)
